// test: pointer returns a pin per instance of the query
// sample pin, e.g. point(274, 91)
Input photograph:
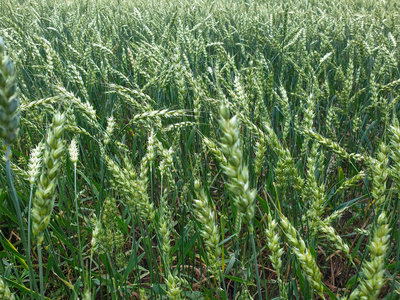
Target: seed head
point(9, 101)
point(73, 152)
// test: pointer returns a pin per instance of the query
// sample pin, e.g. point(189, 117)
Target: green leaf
point(158, 288)
point(240, 280)
point(10, 247)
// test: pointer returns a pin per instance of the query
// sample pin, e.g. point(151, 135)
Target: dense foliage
point(199, 150)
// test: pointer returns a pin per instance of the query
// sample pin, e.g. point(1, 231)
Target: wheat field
point(199, 149)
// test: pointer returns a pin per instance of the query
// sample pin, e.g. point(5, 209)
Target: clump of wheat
point(210, 231)
point(35, 163)
point(308, 121)
point(73, 152)
point(276, 251)
point(174, 287)
point(284, 102)
point(236, 170)
point(5, 292)
point(122, 179)
point(331, 145)
point(304, 256)
point(213, 148)
point(132, 186)
point(146, 209)
point(43, 201)
point(109, 235)
point(395, 151)
point(98, 237)
point(273, 244)
point(111, 124)
point(332, 235)
point(285, 170)
point(9, 101)
point(379, 170)
point(351, 182)
point(166, 167)
point(314, 192)
point(374, 269)
point(165, 233)
point(261, 148)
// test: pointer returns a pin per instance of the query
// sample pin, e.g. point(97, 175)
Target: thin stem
point(90, 271)
point(29, 231)
point(39, 249)
point(253, 244)
point(237, 229)
point(77, 220)
point(224, 292)
point(18, 213)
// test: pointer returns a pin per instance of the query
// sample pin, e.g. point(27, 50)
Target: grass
point(209, 150)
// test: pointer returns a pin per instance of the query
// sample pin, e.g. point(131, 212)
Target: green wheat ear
point(5, 292)
point(43, 201)
point(9, 101)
